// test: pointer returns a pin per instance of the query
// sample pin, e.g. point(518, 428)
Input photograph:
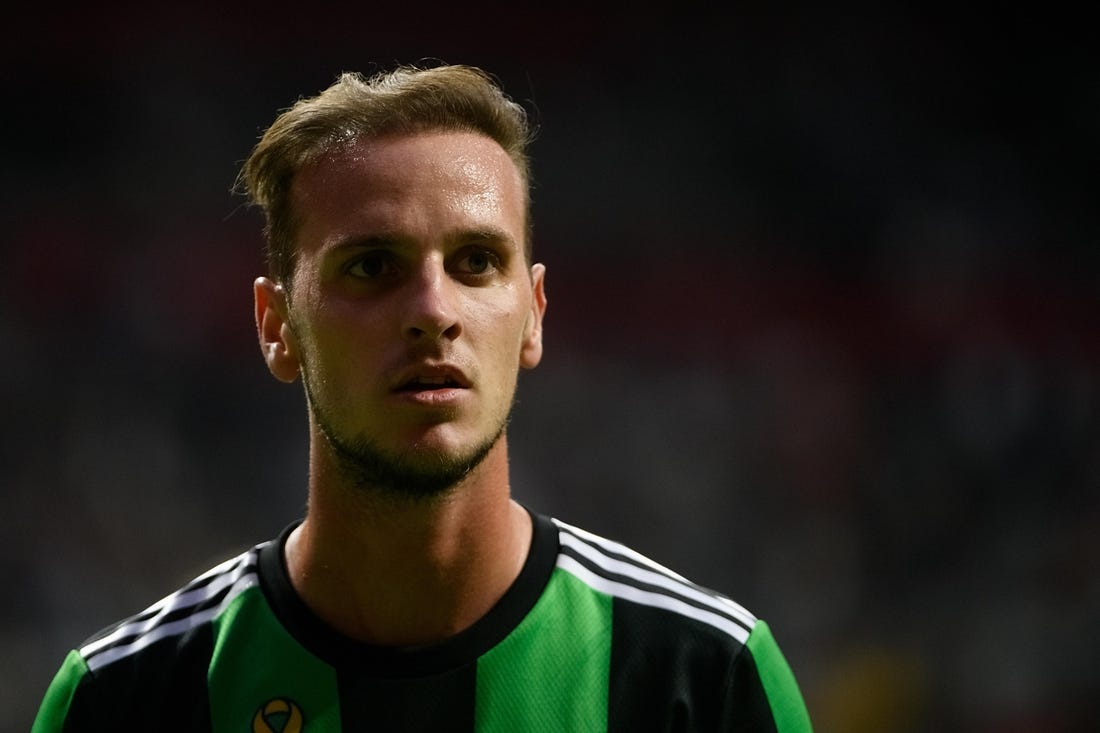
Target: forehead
point(399, 180)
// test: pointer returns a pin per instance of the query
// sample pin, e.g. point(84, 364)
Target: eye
point(370, 265)
point(478, 262)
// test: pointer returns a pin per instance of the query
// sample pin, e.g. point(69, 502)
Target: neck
point(409, 572)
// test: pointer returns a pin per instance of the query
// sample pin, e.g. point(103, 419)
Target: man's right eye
point(370, 265)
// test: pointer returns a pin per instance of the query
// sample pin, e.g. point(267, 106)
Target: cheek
point(329, 340)
point(499, 325)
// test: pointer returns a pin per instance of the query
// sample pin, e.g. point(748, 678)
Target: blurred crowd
point(822, 328)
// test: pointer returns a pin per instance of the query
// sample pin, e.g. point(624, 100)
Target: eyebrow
point(385, 240)
point(371, 241)
point(483, 234)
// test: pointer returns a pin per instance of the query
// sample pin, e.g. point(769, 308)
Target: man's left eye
point(479, 262)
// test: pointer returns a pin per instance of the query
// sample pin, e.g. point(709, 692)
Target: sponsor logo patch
point(278, 716)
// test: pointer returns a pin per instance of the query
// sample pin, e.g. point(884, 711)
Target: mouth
point(422, 383)
point(431, 378)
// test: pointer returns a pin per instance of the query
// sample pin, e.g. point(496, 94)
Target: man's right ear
point(277, 340)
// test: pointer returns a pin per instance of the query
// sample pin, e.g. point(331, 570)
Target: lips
point(427, 377)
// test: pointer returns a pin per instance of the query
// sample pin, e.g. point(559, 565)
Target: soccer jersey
point(592, 636)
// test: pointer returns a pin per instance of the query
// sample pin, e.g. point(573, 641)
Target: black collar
point(463, 649)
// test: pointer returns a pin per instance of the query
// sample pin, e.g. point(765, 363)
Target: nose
point(432, 311)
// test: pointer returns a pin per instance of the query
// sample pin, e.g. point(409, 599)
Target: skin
point(410, 271)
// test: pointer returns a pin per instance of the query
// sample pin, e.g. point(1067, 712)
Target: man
point(416, 594)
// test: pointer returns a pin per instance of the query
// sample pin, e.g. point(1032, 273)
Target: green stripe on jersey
point(784, 697)
point(272, 683)
point(553, 667)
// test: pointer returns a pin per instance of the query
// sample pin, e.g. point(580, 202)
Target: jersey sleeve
point(54, 710)
point(780, 689)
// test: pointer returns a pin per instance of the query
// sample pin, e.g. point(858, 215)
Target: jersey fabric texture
point(592, 636)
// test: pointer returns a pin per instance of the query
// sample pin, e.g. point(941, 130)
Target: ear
point(531, 351)
point(277, 340)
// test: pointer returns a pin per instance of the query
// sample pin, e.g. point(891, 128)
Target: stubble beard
point(414, 475)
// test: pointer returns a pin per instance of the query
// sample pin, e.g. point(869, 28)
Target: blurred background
point(824, 291)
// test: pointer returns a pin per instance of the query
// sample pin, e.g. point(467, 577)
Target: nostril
point(442, 329)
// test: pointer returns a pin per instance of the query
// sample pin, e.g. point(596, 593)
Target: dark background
point(822, 328)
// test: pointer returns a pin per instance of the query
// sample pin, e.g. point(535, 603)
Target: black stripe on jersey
point(161, 689)
point(438, 703)
point(134, 628)
point(684, 676)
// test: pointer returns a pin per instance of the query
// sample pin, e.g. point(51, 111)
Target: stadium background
point(822, 329)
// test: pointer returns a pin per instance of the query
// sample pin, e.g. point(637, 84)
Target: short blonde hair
point(405, 100)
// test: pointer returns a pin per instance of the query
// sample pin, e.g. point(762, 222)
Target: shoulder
point(173, 617)
point(683, 656)
point(635, 580)
point(125, 676)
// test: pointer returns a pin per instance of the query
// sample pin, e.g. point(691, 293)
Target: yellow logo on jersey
point(278, 716)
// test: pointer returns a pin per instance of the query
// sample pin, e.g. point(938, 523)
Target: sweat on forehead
point(426, 187)
point(388, 182)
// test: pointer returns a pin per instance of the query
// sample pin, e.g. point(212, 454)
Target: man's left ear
point(531, 351)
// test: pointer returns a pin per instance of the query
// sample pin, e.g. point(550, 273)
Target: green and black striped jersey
point(592, 636)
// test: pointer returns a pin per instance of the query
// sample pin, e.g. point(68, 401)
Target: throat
point(401, 587)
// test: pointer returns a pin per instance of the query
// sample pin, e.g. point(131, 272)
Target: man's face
point(412, 305)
